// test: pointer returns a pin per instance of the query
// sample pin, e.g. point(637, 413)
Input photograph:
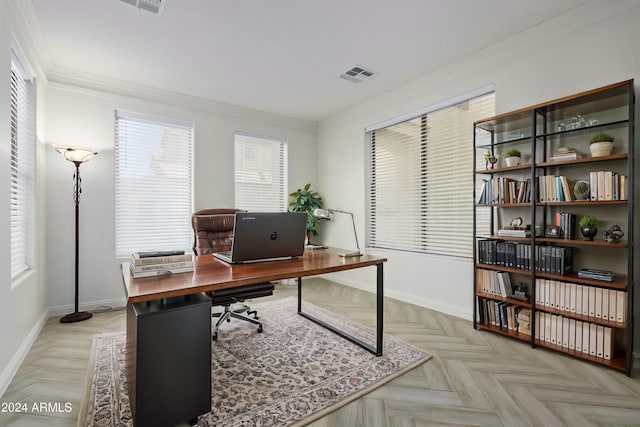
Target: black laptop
point(266, 236)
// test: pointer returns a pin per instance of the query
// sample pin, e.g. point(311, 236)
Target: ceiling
point(278, 56)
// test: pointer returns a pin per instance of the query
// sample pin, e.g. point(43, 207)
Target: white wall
point(80, 116)
point(587, 48)
point(23, 308)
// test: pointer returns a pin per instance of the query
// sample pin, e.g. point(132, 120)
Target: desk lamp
point(77, 156)
point(326, 214)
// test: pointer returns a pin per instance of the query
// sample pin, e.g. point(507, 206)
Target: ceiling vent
point(153, 6)
point(357, 74)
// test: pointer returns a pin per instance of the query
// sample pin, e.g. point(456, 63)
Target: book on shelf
point(518, 231)
point(593, 274)
point(557, 157)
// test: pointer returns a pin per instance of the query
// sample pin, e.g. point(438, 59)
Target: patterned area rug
point(291, 374)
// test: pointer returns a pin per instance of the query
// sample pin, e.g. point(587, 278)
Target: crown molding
point(79, 81)
point(30, 38)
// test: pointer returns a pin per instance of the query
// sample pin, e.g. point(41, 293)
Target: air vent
point(357, 74)
point(153, 6)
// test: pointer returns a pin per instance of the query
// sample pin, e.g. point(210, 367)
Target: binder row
point(504, 315)
point(494, 282)
point(556, 260)
point(590, 301)
point(607, 185)
point(583, 337)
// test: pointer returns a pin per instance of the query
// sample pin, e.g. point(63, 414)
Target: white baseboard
point(404, 297)
point(87, 306)
point(14, 364)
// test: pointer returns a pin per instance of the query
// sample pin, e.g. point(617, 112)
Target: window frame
point(152, 233)
point(22, 170)
point(422, 241)
point(279, 154)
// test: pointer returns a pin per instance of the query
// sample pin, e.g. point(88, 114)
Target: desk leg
point(377, 350)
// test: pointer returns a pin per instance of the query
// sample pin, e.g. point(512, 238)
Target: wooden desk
point(212, 274)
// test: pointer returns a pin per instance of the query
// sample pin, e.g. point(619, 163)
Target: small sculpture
point(613, 234)
point(490, 160)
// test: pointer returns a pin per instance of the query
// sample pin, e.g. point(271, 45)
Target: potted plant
point(512, 157)
point(601, 144)
point(307, 200)
point(581, 190)
point(588, 226)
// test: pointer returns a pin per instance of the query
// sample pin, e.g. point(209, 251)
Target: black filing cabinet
point(169, 360)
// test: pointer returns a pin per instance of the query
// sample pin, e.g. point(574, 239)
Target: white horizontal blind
point(421, 182)
point(260, 173)
point(22, 131)
point(153, 184)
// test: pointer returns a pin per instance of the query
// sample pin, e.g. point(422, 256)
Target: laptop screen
point(268, 235)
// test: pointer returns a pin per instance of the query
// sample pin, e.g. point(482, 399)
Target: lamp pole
point(77, 315)
point(77, 156)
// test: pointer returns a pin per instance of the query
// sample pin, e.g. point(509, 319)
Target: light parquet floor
point(474, 378)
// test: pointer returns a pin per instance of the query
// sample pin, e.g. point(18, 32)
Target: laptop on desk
point(266, 236)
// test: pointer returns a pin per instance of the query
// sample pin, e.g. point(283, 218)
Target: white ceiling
point(279, 56)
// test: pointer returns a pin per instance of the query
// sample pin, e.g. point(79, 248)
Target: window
point(420, 182)
point(260, 173)
point(153, 183)
point(22, 133)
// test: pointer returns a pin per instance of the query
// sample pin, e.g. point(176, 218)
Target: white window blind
point(260, 173)
point(421, 182)
point(22, 134)
point(153, 183)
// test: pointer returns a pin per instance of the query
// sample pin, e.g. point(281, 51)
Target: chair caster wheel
point(214, 337)
point(260, 329)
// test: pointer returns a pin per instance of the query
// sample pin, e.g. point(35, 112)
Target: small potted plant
point(512, 157)
point(588, 226)
point(581, 190)
point(601, 144)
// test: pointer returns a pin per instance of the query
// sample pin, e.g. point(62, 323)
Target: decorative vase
point(589, 232)
point(602, 148)
point(512, 161)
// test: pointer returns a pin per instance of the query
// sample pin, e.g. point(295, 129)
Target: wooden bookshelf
point(539, 131)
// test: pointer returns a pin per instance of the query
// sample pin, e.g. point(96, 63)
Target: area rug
point(289, 375)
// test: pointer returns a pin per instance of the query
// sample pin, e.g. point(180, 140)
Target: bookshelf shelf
point(506, 332)
point(546, 188)
point(617, 362)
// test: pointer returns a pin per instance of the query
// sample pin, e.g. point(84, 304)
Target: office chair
point(213, 232)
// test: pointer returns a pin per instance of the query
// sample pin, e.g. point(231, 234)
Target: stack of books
point(565, 153)
point(157, 263)
point(521, 231)
point(593, 274)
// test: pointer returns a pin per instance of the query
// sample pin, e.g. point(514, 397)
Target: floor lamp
point(77, 156)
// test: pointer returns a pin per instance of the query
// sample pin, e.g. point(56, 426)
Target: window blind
point(153, 183)
point(421, 183)
point(22, 170)
point(260, 173)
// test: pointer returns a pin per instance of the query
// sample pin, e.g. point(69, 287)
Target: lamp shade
point(322, 213)
point(75, 154)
